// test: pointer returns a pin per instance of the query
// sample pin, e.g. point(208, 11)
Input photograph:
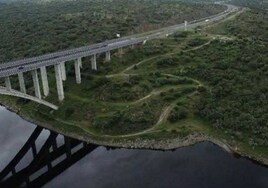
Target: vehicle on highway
point(20, 68)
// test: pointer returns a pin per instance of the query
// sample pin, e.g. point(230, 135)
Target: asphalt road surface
point(24, 65)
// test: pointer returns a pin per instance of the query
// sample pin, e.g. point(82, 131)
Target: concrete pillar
point(120, 51)
point(36, 84)
point(63, 71)
point(21, 82)
point(8, 83)
point(80, 62)
point(108, 56)
point(77, 71)
point(44, 80)
point(59, 82)
point(132, 46)
point(185, 25)
point(94, 62)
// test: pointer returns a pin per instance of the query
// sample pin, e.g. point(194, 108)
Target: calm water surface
point(200, 166)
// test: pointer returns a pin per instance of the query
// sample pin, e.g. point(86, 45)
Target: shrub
point(178, 113)
point(69, 111)
point(201, 89)
point(167, 62)
point(183, 34)
point(196, 42)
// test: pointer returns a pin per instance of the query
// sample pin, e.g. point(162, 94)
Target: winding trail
point(164, 115)
point(167, 110)
point(175, 76)
point(157, 92)
point(163, 55)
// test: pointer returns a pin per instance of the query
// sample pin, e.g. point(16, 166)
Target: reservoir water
point(203, 165)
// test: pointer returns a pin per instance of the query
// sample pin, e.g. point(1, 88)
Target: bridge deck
point(24, 65)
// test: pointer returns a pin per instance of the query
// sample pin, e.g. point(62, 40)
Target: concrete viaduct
point(59, 59)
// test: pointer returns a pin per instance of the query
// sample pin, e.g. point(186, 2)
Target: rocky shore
point(138, 143)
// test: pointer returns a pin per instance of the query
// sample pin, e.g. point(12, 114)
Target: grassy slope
point(117, 104)
point(179, 86)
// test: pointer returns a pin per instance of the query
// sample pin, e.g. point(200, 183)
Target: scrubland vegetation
point(30, 29)
point(212, 81)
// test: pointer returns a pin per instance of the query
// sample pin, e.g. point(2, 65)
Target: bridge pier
point(80, 62)
point(107, 56)
point(94, 62)
point(44, 80)
point(120, 51)
point(77, 71)
point(36, 84)
point(59, 82)
point(185, 25)
point(21, 82)
point(63, 71)
point(8, 83)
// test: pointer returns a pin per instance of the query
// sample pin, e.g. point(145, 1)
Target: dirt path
point(164, 115)
point(168, 54)
point(174, 76)
point(137, 64)
point(123, 73)
point(119, 74)
point(144, 98)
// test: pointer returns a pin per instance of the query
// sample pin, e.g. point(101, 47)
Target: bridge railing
point(92, 47)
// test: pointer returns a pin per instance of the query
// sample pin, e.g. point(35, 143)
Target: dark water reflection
point(202, 166)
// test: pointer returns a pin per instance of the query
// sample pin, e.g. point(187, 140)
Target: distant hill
point(260, 4)
point(9, 1)
point(33, 1)
point(241, 2)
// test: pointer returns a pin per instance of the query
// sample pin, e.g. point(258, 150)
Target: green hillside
point(205, 84)
point(30, 29)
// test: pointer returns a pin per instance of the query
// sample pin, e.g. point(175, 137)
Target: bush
point(22, 101)
point(167, 62)
point(183, 34)
point(196, 42)
point(69, 111)
point(157, 74)
point(134, 79)
point(182, 113)
point(201, 89)
point(178, 113)
point(99, 82)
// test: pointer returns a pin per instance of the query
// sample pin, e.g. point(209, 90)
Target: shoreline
point(150, 144)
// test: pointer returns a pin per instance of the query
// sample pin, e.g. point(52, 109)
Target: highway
point(24, 65)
